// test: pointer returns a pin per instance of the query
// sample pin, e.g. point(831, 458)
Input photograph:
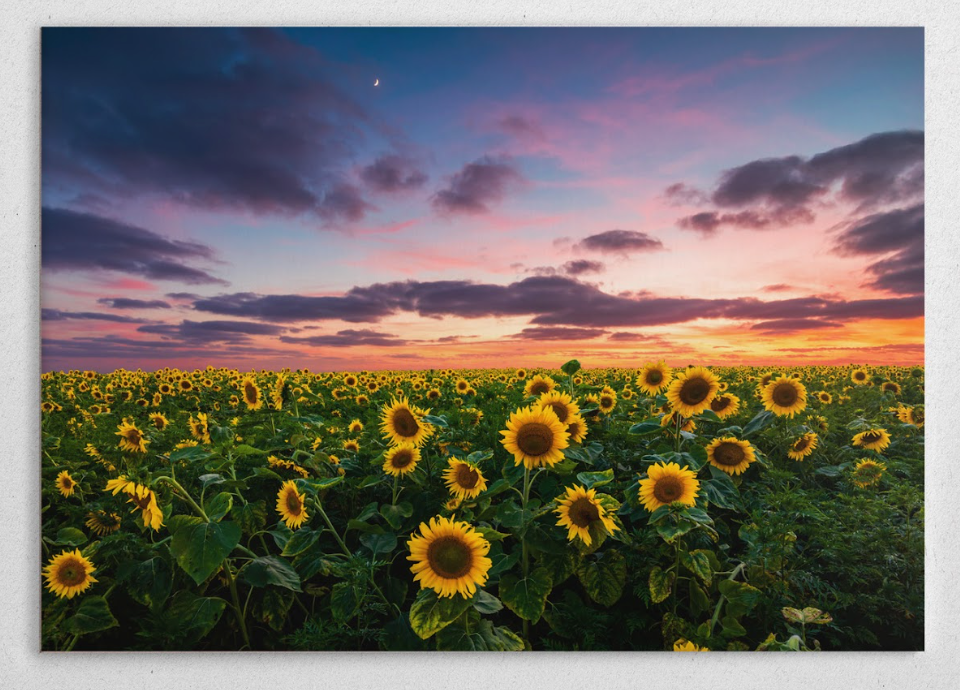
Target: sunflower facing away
point(251, 394)
point(401, 459)
point(65, 484)
point(401, 423)
point(730, 455)
point(102, 523)
point(867, 473)
point(144, 500)
point(803, 446)
point(654, 377)
point(290, 505)
point(872, 439)
point(692, 391)
point(580, 511)
point(784, 396)
point(131, 438)
point(667, 483)
point(535, 437)
point(562, 404)
point(69, 574)
point(683, 645)
point(449, 557)
point(464, 479)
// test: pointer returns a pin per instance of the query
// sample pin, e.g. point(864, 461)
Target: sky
point(364, 199)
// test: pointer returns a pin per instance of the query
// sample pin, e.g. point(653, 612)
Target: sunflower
point(562, 404)
point(824, 397)
point(102, 523)
point(670, 420)
point(692, 391)
point(185, 385)
point(281, 464)
point(535, 437)
point(911, 415)
point(350, 380)
point(165, 389)
point(65, 484)
point(867, 473)
point(654, 377)
point(730, 455)
point(433, 394)
point(784, 396)
point(464, 479)
point(251, 394)
point(401, 423)
point(356, 426)
point(159, 421)
point(580, 511)
point(520, 374)
point(891, 387)
point(290, 505)
point(144, 500)
point(69, 573)
point(401, 459)
point(119, 484)
point(682, 645)
point(667, 483)
point(872, 439)
point(450, 557)
point(131, 438)
point(577, 428)
point(351, 445)
point(539, 385)
point(803, 446)
point(725, 405)
point(860, 376)
point(607, 400)
point(200, 427)
point(462, 385)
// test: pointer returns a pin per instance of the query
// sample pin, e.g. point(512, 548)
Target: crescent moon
point(376, 83)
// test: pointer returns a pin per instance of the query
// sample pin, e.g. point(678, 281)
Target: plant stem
point(396, 484)
point(523, 542)
point(716, 611)
point(236, 604)
point(186, 496)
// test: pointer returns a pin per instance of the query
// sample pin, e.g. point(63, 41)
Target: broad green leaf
point(197, 614)
point(243, 450)
point(471, 634)
point(527, 596)
point(301, 540)
point(191, 454)
point(430, 613)
point(70, 536)
point(570, 368)
point(399, 636)
point(758, 423)
point(484, 602)
point(732, 627)
point(252, 517)
point(92, 616)
point(698, 563)
point(741, 597)
point(698, 599)
point(275, 606)
point(218, 506)
point(150, 582)
point(604, 578)
point(394, 514)
point(593, 479)
point(435, 420)
point(661, 584)
point(200, 547)
point(379, 543)
point(270, 570)
point(646, 428)
point(344, 601)
point(492, 535)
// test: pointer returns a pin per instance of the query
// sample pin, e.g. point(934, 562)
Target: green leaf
point(394, 515)
point(301, 540)
point(592, 479)
point(270, 570)
point(484, 602)
point(149, 582)
point(698, 563)
point(252, 517)
point(70, 536)
point(313, 561)
point(491, 535)
point(192, 454)
point(698, 599)
point(430, 613)
point(379, 543)
point(527, 596)
point(196, 614)
point(471, 634)
point(758, 423)
point(570, 368)
point(344, 601)
point(560, 566)
point(720, 489)
point(218, 506)
point(741, 597)
point(510, 515)
point(828, 471)
point(200, 547)
point(732, 627)
point(661, 584)
point(243, 450)
point(708, 415)
point(440, 421)
point(645, 428)
point(399, 636)
point(674, 526)
point(275, 607)
point(314, 486)
point(93, 615)
point(604, 578)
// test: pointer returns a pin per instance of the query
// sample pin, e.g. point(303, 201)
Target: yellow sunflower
point(356, 426)
point(401, 459)
point(607, 400)
point(891, 387)
point(65, 484)
point(669, 422)
point(562, 404)
point(119, 484)
point(667, 483)
point(730, 455)
point(535, 437)
point(351, 445)
point(824, 397)
point(69, 574)
point(577, 428)
point(464, 479)
point(131, 438)
point(291, 506)
point(654, 377)
point(911, 415)
point(102, 523)
point(868, 472)
point(251, 394)
point(159, 421)
point(449, 557)
point(860, 376)
point(539, 385)
point(803, 446)
point(200, 427)
point(784, 396)
point(872, 439)
point(401, 423)
point(683, 645)
point(580, 511)
point(692, 391)
point(725, 405)
point(144, 500)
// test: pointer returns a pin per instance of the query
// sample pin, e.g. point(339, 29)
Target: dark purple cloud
point(582, 266)
point(60, 315)
point(559, 333)
point(779, 287)
point(708, 222)
point(211, 331)
point(792, 325)
point(521, 128)
point(476, 186)
point(681, 194)
point(392, 173)
point(620, 242)
point(84, 242)
point(355, 306)
point(126, 303)
point(349, 338)
point(898, 234)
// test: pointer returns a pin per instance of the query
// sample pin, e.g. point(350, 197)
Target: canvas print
point(476, 339)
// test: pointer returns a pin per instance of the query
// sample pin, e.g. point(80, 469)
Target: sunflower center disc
point(539, 387)
point(667, 489)
point(71, 574)
point(654, 377)
point(606, 401)
point(694, 391)
point(405, 423)
point(535, 439)
point(583, 513)
point(729, 454)
point(293, 503)
point(784, 394)
point(720, 404)
point(467, 477)
point(871, 437)
point(402, 459)
point(561, 410)
point(801, 445)
point(449, 557)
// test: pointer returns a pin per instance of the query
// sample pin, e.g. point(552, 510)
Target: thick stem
point(185, 496)
point(523, 542)
point(236, 604)
point(716, 611)
point(396, 484)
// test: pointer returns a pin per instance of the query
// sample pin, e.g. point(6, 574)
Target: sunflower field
point(654, 508)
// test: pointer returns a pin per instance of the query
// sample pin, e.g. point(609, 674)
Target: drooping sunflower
point(68, 574)
point(867, 473)
point(145, 500)
point(682, 645)
point(449, 557)
point(911, 415)
point(562, 404)
point(692, 391)
point(464, 479)
point(730, 455)
point(535, 437)
point(251, 394)
point(401, 423)
point(102, 523)
point(784, 396)
point(119, 484)
point(131, 438)
point(860, 376)
point(803, 446)
point(725, 405)
point(401, 459)
point(607, 400)
point(872, 439)
point(654, 377)
point(580, 511)
point(66, 484)
point(291, 505)
point(577, 428)
point(668, 483)
point(281, 464)
point(159, 421)
point(539, 385)
point(200, 427)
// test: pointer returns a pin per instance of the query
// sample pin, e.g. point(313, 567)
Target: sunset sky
point(508, 197)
